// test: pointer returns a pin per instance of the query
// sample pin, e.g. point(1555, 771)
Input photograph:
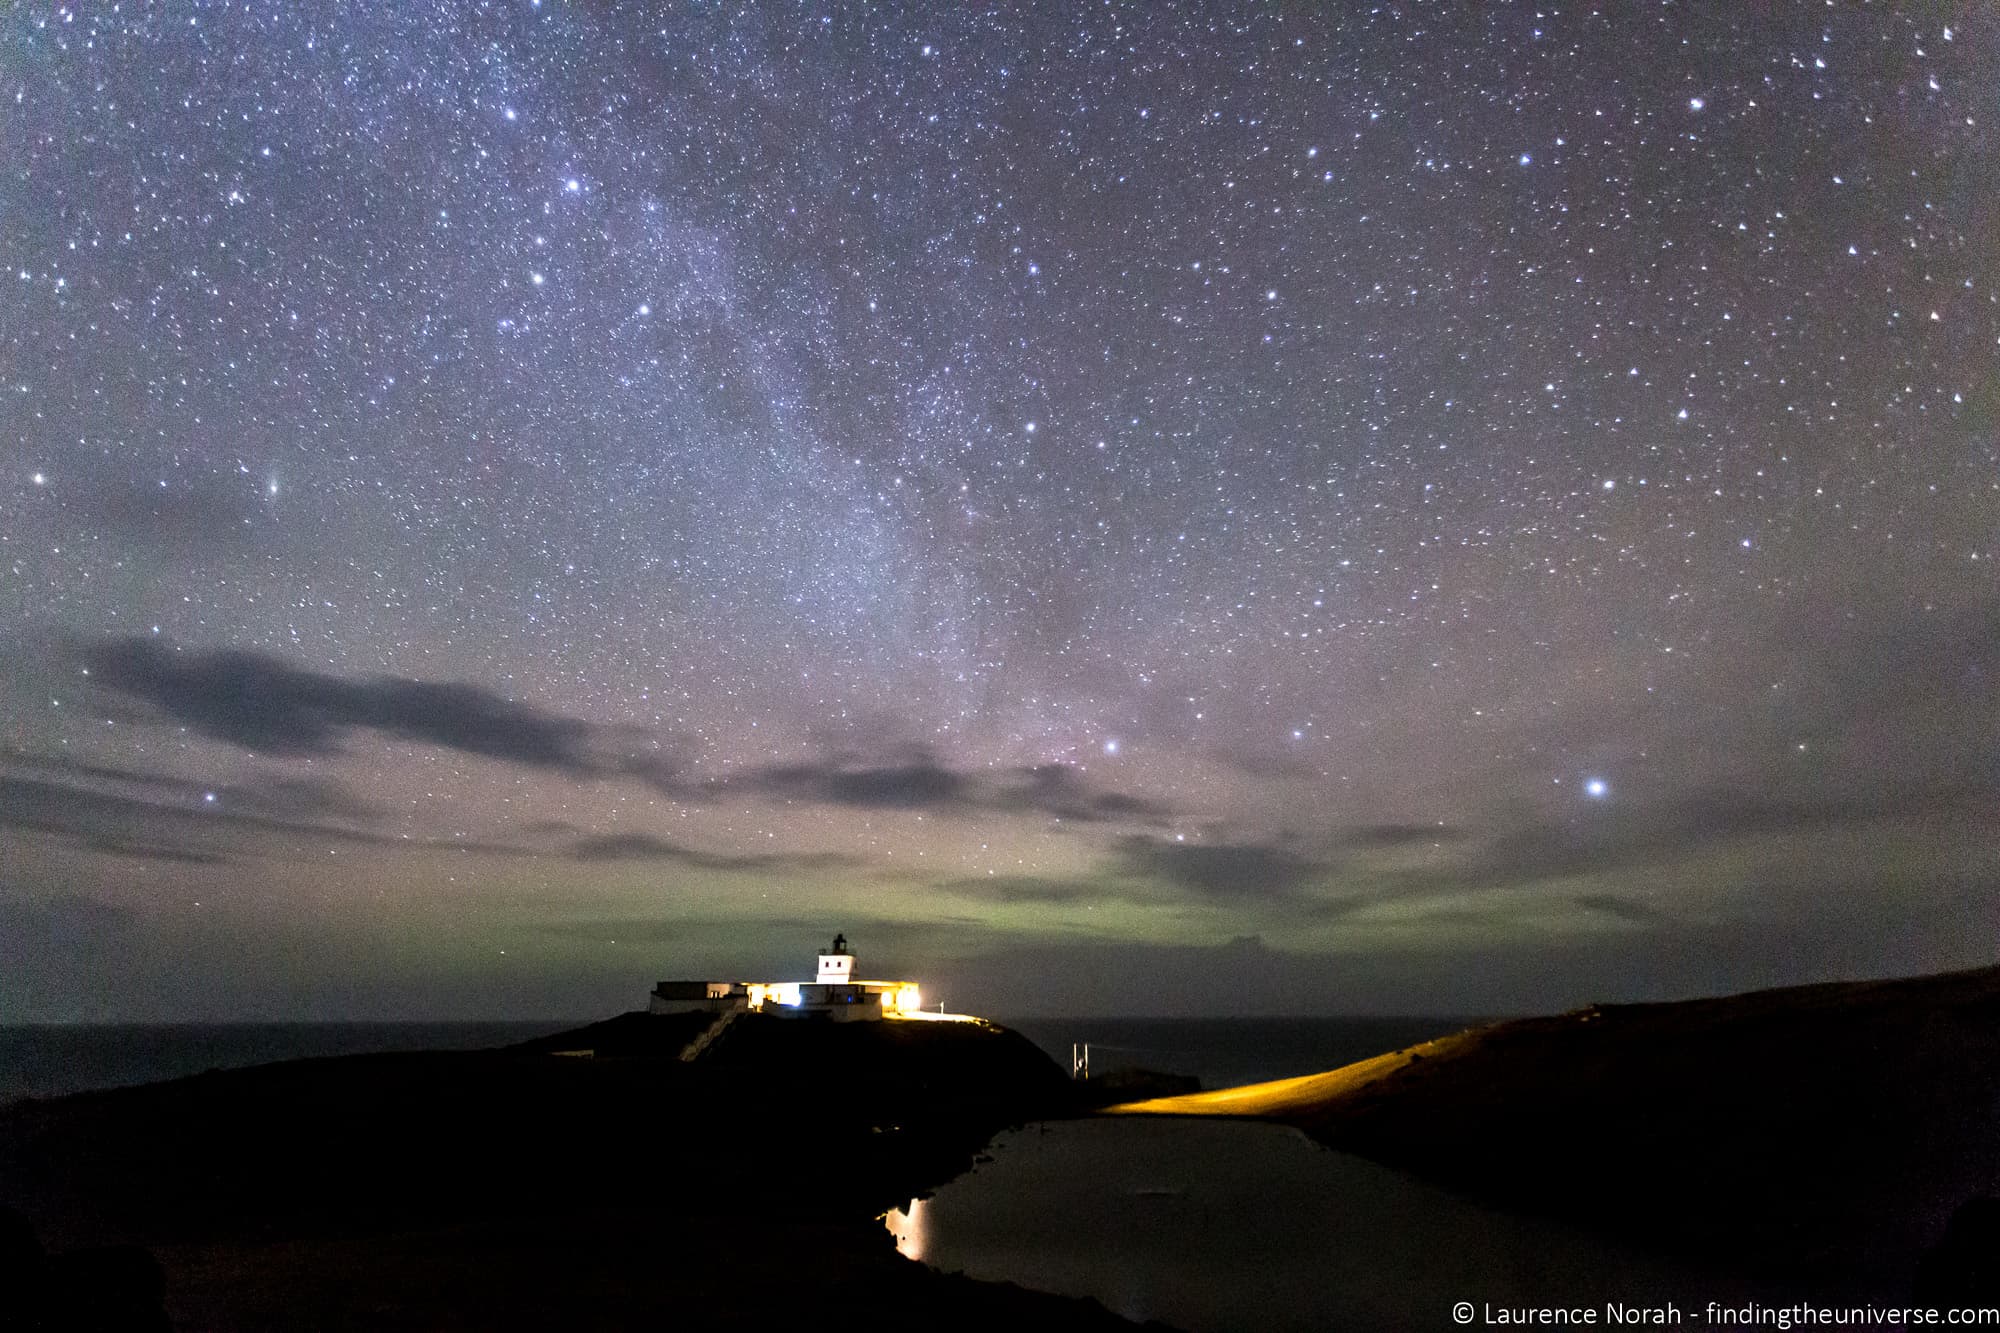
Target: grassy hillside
point(1819, 1130)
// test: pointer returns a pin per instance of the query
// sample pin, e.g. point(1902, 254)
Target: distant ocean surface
point(55, 1060)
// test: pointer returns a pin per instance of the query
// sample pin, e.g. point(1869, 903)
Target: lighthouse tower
point(836, 965)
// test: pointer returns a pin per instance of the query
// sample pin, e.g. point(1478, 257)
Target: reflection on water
point(906, 1224)
point(1224, 1225)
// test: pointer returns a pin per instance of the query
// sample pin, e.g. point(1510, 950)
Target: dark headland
point(520, 1188)
point(1818, 1134)
point(1821, 1135)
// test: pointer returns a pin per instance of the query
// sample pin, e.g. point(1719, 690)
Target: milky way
point(1160, 509)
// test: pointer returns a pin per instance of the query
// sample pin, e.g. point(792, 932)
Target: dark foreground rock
point(527, 1189)
point(110, 1289)
point(1962, 1271)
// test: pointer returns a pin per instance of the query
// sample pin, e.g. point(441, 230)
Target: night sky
point(1118, 508)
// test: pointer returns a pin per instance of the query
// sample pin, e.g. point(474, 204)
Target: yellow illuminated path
point(1286, 1096)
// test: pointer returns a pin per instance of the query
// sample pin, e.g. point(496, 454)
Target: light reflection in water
point(906, 1224)
point(1233, 1226)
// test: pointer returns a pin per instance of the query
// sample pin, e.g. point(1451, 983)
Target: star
point(746, 547)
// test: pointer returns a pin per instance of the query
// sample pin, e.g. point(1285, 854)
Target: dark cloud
point(154, 851)
point(1162, 873)
point(74, 769)
point(300, 798)
point(668, 775)
point(1023, 888)
point(187, 830)
point(1230, 871)
point(267, 705)
point(1048, 889)
point(125, 812)
point(1622, 909)
point(1060, 790)
point(625, 847)
point(920, 783)
point(915, 779)
point(270, 706)
point(279, 795)
point(646, 847)
point(1375, 837)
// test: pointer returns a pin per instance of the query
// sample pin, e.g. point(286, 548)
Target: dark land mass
point(1825, 1134)
point(524, 1189)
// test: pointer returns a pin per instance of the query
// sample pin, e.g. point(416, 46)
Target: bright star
point(1596, 789)
point(1111, 746)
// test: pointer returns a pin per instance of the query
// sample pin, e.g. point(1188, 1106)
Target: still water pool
point(1230, 1224)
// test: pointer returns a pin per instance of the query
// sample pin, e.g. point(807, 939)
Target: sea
point(58, 1059)
point(55, 1060)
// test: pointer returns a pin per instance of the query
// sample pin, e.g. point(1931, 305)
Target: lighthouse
point(836, 965)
